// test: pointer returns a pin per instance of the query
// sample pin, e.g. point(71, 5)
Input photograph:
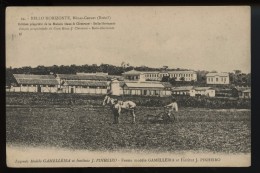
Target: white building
point(158, 75)
point(243, 92)
point(146, 89)
point(62, 78)
point(183, 90)
point(203, 91)
point(34, 83)
point(217, 78)
point(194, 91)
point(185, 75)
point(85, 87)
point(95, 74)
point(134, 75)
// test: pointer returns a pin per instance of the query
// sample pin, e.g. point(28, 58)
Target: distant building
point(134, 75)
point(34, 83)
point(246, 94)
point(116, 87)
point(185, 75)
point(83, 83)
point(194, 91)
point(203, 91)
point(217, 78)
point(111, 77)
point(183, 90)
point(85, 87)
point(158, 75)
point(147, 89)
point(243, 92)
point(96, 74)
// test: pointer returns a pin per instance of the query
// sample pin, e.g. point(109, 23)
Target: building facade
point(34, 83)
point(194, 91)
point(135, 75)
point(184, 90)
point(217, 78)
point(85, 87)
point(243, 92)
point(246, 94)
point(146, 89)
point(203, 91)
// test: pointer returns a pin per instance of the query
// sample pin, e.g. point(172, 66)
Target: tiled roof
point(120, 78)
point(81, 77)
point(202, 88)
point(35, 79)
point(217, 74)
point(185, 72)
point(183, 88)
point(149, 72)
point(242, 89)
point(31, 76)
point(86, 83)
point(143, 85)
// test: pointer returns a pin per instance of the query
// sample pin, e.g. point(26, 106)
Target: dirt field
point(89, 127)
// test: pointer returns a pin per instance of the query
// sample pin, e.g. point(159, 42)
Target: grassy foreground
point(90, 127)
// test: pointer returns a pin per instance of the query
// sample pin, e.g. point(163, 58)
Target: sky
point(198, 38)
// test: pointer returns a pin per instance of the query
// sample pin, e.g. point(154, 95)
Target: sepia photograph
point(157, 86)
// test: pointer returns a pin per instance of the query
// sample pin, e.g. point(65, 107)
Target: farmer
point(116, 111)
point(172, 106)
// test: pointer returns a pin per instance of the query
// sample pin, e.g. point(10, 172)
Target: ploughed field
point(91, 127)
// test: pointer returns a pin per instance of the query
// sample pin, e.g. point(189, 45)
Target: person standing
point(173, 106)
point(116, 111)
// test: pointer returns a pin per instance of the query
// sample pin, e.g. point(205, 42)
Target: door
point(38, 88)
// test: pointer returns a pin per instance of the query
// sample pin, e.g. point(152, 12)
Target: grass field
point(90, 127)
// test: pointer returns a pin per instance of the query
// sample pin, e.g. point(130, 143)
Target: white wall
point(115, 88)
point(221, 80)
point(81, 90)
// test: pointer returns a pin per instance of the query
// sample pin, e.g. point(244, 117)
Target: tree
point(182, 79)
point(172, 80)
point(165, 79)
point(237, 72)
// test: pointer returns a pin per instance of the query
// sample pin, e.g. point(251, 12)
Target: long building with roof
point(142, 88)
point(193, 91)
point(34, 83)
point(85, 87)
point(158, 75)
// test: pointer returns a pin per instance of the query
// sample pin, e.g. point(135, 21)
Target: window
point(216, 79)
